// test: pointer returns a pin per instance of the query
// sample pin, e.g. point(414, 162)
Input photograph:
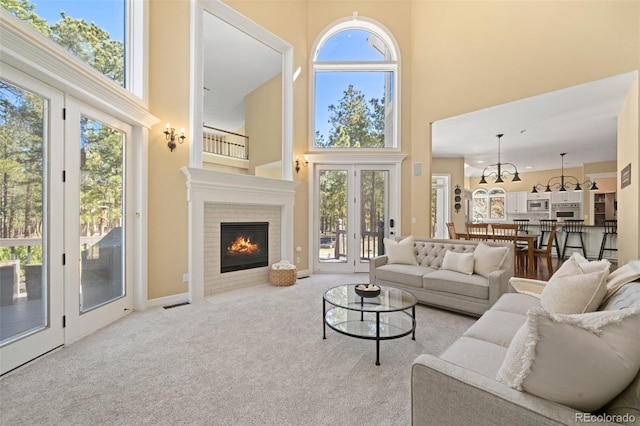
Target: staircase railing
point(223, 142)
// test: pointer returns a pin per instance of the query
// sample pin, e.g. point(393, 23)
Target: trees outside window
point(354, 105)
point(79, 35)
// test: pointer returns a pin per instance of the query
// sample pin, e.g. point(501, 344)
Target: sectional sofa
point(535, 358)
point(459, 275)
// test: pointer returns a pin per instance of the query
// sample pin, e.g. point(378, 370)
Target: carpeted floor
point(248, 357)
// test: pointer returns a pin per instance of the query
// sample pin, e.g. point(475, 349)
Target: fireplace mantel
point(208, 186)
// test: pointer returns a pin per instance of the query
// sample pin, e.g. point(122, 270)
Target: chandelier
point(565, 182)
point(500, 173)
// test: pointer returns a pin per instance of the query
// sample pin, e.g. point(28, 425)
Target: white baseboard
point(168, 300)
point(304, 273)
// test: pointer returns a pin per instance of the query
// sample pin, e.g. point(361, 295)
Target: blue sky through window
point(107, 14)
point(347, 45)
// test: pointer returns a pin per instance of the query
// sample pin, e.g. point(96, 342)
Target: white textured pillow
point(488, 259)
point(582, 361)
point(570, 291)
point(621, 276)
point(459, 262)
point(588, 266)
point(400, 251)
point(575, 294)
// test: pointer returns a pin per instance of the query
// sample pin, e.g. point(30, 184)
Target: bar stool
point(523, 228)
point(523, 225)
point(610, 229)
point(546, 225)
point(573, 227)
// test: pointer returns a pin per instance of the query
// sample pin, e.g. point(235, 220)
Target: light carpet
point(247, 357)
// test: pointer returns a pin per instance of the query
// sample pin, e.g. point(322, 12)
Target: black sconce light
point(171, 136)
point(298, 163)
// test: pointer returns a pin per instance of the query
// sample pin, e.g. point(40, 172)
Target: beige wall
point(168, 100)
point(263, 123)
point(454, 167)
point(457, 57)
point(629, 197)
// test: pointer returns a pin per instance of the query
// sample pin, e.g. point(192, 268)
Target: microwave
point(537, 205)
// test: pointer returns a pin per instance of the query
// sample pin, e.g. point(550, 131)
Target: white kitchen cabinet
point(568, 196)
point(516, 202)
point(538, 195)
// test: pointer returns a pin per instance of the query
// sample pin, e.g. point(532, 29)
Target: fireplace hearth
point(243, 245)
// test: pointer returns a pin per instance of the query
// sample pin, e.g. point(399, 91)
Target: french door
point(354, 210)
point(64, 219)
point(97, 219)
point(31, 227)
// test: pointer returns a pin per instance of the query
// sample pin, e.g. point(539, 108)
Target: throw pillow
point(621, 276)
point(488, 259)
point(582, 361)
point(400, 251)
point(588, 266)
point(574, 294)
point(459, 262)
point(570, 267)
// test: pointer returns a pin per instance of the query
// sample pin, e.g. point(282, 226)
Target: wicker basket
point(282, 277)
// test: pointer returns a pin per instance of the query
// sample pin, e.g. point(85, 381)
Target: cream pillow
point(488, 259)
point(582, 361)
point(570, 291)
point(588, 266)
point(621, 276)
point(400, 251)
point(574, 294)
point(459, 262)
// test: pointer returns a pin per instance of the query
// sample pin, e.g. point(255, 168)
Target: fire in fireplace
point(243, 245)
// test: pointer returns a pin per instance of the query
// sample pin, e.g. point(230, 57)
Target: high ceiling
point(580, 120)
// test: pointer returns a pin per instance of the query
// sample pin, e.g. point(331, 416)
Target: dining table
point(531, 240)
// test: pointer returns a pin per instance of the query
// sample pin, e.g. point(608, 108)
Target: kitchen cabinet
point(516, 202)
point(568, 196)
point(537, 195)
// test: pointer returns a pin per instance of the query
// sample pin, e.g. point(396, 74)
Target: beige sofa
point(431, 284)
point(465, 385)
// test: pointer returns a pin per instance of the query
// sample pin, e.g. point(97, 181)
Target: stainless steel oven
point(537, 205)
point(563, 211)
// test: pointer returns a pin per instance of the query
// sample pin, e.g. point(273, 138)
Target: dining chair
point(477, 231)
point(539, 253)
point(451, 228)
point(506, 233)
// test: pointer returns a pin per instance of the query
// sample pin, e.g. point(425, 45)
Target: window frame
point(393, 65)
point(488, 195)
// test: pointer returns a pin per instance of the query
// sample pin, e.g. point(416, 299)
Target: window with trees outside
point(488, 205)
point(99, 44)
point(355, 96)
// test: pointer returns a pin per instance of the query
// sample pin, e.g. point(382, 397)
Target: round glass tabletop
point(390, 299)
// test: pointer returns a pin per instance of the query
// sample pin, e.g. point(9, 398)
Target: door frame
point(80, 324)
point(392, 161)
point(51, 335)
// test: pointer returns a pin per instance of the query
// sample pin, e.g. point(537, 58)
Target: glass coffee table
point(390, 315)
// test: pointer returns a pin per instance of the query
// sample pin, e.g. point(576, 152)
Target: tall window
point(94, 31)
point(488, 205)
point(355, 80)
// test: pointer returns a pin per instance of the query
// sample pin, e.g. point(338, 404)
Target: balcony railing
point(225, 143)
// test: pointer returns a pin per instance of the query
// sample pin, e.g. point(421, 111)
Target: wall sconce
point(300, 163)
point(171, 136)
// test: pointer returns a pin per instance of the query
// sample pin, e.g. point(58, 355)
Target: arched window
point(355, 84)
point(488, 205)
